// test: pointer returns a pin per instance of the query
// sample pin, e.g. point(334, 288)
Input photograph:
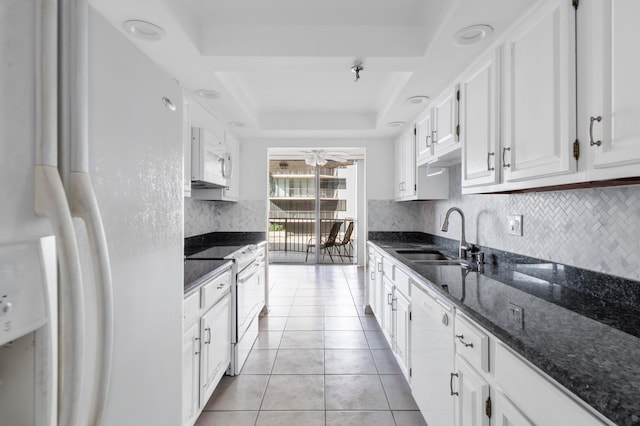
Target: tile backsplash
point(202, 217)
point(596, 229)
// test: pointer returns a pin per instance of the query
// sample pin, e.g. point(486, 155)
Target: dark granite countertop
point(587, 342)
point(198, 271)
point(202, 242)
point(204, 254)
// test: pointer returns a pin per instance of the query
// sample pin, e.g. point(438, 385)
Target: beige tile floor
point(318, 360)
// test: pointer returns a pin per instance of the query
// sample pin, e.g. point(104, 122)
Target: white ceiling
point(283, 66)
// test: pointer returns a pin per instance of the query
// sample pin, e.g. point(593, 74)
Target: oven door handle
point(248, 273)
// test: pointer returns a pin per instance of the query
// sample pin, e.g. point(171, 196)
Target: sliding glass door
point(312, 211)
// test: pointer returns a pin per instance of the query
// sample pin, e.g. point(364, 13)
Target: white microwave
point(211, 161)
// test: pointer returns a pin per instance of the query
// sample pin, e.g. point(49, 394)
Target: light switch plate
point(515, 224)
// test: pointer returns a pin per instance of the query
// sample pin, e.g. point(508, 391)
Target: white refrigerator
point(91, 223)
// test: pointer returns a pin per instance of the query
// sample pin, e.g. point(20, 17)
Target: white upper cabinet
point(445, 120)
point(608, 38)
point(405, 153)
point(479, 122)
point(539, 95)
point(437, 131)
point(424, 145)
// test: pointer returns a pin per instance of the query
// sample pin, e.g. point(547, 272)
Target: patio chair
point(345, 243)
point(326, 245)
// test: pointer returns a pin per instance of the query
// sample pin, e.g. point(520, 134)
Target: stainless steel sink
point(440, 262)
point(421, 255)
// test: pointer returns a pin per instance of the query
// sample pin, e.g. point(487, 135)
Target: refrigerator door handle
point(50, 201)
point(85, 206)
point(82, 198)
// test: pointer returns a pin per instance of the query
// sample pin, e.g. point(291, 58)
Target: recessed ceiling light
point(144, 30)
point(472, 34)
point(236, 124)
point(415, 100)
point(209, 94)
point(396, 123)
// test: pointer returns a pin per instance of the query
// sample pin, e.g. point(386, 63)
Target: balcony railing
point(295, 234)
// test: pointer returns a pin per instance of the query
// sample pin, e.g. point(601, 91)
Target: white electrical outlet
point(515, 224)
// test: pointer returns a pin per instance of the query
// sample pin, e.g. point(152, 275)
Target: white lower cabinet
point(396, 312)
point(507, 414)
point(472, 396)
point(206, 343)
point(191, 374)
point(387, 311)
point(401, 309)
point(215, 338)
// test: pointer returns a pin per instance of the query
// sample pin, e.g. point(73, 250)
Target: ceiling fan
point(319, 157)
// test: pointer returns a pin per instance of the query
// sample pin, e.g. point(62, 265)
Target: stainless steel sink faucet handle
point(464, 246)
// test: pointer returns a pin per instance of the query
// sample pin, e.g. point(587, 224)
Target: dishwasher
point(432, 338)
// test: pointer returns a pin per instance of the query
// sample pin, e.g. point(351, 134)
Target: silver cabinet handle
point(380, 267)
point(489, 155)
point(451, 384)
point(373, 276)
point(434, 136)
point(461, 337)
point(427, 140)
point(208, 341)
point(591, 120)
point(394, 304)
point(389, 299)
point(504, 161)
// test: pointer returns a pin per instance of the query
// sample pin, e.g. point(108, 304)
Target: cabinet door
point(424, 145)
point(387, 316)
point(216, 345)
point(371, 282)
point(399, 167)
point(186, 145)
point(473, 393)
point(445, 116)
point(409, 163)
point(432, 354)
point(402, 307)
point(380, 290)
point(539, 95)
point(614, 49)
point(232, 192)
point(507, 414)
point(191, 374)
point(479, 121)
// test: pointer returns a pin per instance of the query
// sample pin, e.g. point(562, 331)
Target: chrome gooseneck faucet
point(464, 246)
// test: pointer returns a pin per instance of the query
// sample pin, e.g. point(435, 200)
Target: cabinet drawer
point(472, 344)
point(215, 289)
point(190, 310)
point(402, 282)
